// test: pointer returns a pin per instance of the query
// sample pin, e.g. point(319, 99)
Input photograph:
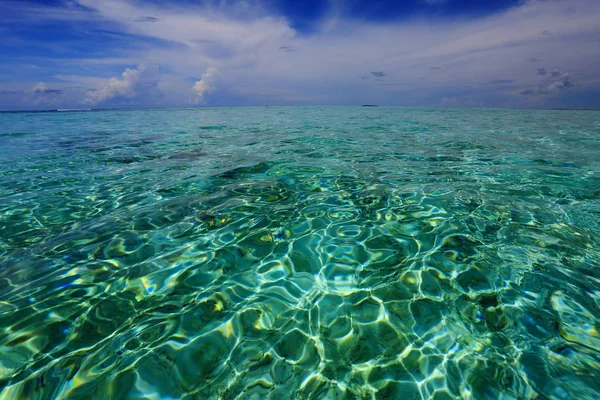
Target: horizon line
point(63, 110)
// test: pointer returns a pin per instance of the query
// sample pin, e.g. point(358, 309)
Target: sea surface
point(300, 253)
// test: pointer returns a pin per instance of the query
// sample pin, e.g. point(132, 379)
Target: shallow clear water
point(309, 253)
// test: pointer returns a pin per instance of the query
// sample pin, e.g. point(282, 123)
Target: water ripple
point(303, 253)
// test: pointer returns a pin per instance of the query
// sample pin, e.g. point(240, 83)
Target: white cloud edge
point(208, 83)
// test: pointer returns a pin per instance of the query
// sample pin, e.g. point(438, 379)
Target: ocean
point(300, 253)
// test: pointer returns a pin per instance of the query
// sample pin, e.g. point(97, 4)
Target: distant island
point(369, 105)
point(575, 109)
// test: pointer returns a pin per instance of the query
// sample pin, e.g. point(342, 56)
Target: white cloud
point(556, 82)
point(472, 51)
point(41, 94)
point(39, 87)
point(136, 82)
point(207, 84)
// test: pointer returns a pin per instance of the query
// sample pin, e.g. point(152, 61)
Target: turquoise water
point(300, 253)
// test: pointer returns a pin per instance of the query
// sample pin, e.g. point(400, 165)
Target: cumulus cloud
point(541, 71)
point(249, 50)
point(39, 87)
point(378, 74)
point(42, 88)
point(209, 82)
point(556, 82)
point(42, 95)
point(134, 83)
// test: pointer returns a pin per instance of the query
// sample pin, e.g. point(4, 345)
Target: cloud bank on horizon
point(133, 53)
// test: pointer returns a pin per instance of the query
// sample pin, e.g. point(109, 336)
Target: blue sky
point(157, 53)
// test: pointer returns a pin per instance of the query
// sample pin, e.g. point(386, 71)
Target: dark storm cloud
point(146, 19)
point(42, 88)
point(48, 91)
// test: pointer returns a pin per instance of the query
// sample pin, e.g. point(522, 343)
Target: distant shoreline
point(574, 109)
point(200, 108)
